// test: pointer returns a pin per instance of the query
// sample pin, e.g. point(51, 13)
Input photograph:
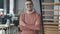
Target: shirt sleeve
point(20, 21)
point(37, 25)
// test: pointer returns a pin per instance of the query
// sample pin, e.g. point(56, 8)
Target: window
point(1, 4)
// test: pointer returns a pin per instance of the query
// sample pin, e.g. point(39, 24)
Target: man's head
point(29, 5)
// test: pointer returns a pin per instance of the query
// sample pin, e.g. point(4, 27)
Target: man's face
point(29, 5)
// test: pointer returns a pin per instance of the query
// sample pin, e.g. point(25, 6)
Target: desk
point(2, 26)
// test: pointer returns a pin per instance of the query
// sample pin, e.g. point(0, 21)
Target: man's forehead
point(27, 2)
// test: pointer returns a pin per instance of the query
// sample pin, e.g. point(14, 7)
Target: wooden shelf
point(51, 32)
point(50, 23)
point(51, 26)
point(47, 15)
point(49, 10)
point(50, 4)
point(52, 29)
point(50, 15)
point(51, 19)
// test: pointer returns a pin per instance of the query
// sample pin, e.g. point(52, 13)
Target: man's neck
point(29, 12)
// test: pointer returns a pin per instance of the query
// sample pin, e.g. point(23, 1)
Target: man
point(30, 21)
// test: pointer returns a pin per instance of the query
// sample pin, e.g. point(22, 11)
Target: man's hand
point(22, 23)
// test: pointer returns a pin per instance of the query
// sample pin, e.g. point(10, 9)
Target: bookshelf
point(51, 14)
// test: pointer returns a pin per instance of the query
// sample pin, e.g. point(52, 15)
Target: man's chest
point(30, 19)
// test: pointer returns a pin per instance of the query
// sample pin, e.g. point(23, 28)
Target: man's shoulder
point(23, 13)
point(37, 13)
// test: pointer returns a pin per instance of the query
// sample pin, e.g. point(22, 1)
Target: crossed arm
point(37, 25)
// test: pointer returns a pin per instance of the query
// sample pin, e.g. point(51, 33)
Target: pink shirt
point(32, 21)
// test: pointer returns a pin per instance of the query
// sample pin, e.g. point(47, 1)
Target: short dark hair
point(30, 1)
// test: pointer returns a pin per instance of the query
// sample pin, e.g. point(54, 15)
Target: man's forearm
point(33, 27)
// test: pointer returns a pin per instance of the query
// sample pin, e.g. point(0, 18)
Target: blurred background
point(13, 8)
point(10, 11)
